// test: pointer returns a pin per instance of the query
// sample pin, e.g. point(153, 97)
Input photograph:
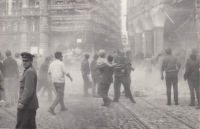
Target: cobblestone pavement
point(86, 113)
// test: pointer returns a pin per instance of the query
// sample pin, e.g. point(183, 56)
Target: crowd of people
point(19, 83)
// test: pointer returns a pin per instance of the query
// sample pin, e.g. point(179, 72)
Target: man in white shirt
point(58, 72)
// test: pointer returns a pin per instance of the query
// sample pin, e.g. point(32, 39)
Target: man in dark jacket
point(192, 76)
point(95, 75)
point(171, 66)
point(85, 69)
point(10, 73)
point(106, 78)
point(28, 101)
point(122, 77)
point(43, 81)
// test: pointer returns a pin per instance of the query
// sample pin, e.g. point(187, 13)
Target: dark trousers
point(95, 83)
point(103, 92)
point(172, 80)
point(194, 87)
point(26, 119)
point(60, 87)
point(85, 85)
point(126, 83)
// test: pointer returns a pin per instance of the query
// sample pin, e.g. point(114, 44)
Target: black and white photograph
point(99, 64)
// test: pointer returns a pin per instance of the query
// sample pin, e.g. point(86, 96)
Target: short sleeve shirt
point(58, 71)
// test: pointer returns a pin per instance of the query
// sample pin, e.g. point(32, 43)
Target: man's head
point(102, 53)
point(47, 59)
point(168, 50)
point(27, 59)
point(17, 55)
point(59, 56)
point(87, 56)
point(193, 56)
point(194, 51)
point(96, 56)
point(8, 53)
point(110, 58)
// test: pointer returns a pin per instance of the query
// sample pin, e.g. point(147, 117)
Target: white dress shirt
point(57, 70)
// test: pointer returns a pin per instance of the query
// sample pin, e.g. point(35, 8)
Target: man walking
point(58, 72)
point(28, 101)
point(85, 69)
point(192, 76)
point(171, 66)
point(10, 73)
point(43, 81)
point(95, 75)
point(106, 79)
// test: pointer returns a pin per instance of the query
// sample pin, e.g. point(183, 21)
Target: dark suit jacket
point(106, 74)
point(192, 69)
point(28, 83)
point(85, 67)
point(93, 69)
point(10, 68)
point(43, 72)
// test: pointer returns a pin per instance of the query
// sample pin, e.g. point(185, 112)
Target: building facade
point(155, 24)
point(46, 26)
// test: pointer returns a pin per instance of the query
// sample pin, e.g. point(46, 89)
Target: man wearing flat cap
point(28, 101)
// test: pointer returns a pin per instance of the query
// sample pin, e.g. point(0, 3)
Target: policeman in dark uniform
point(28, 101)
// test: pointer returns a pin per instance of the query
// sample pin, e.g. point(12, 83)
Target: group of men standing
point(102, 69)
point(171, 66)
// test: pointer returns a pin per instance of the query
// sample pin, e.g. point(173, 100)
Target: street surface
point(87, 112)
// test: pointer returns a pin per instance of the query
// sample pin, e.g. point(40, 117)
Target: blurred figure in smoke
point(192, 76)
point(58, 72)
point(21, 69)
point(28, 101)
point(121, 77)
point(85, 70)
point(105, 80)
point(1, 62)
point(43, 79)
point(35, 62)
point(95, 75)
point(171, 66)
point(148, 66)
point(40, 60)
point(10, 73)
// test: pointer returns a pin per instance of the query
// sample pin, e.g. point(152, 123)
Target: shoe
point(168, 104)
point(176, 103)
point(51, 111)
point(103, 105)
point(133, 101)
point(108, 103)
point(114, 100)
point(192, 104)
point(64, 109)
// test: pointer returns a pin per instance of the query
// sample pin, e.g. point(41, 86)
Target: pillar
point(158, 40)
point(131, 41)
point(148, 43)
point(24, 42)
point(9, 7)
point(138, 43)
point(44, 46)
